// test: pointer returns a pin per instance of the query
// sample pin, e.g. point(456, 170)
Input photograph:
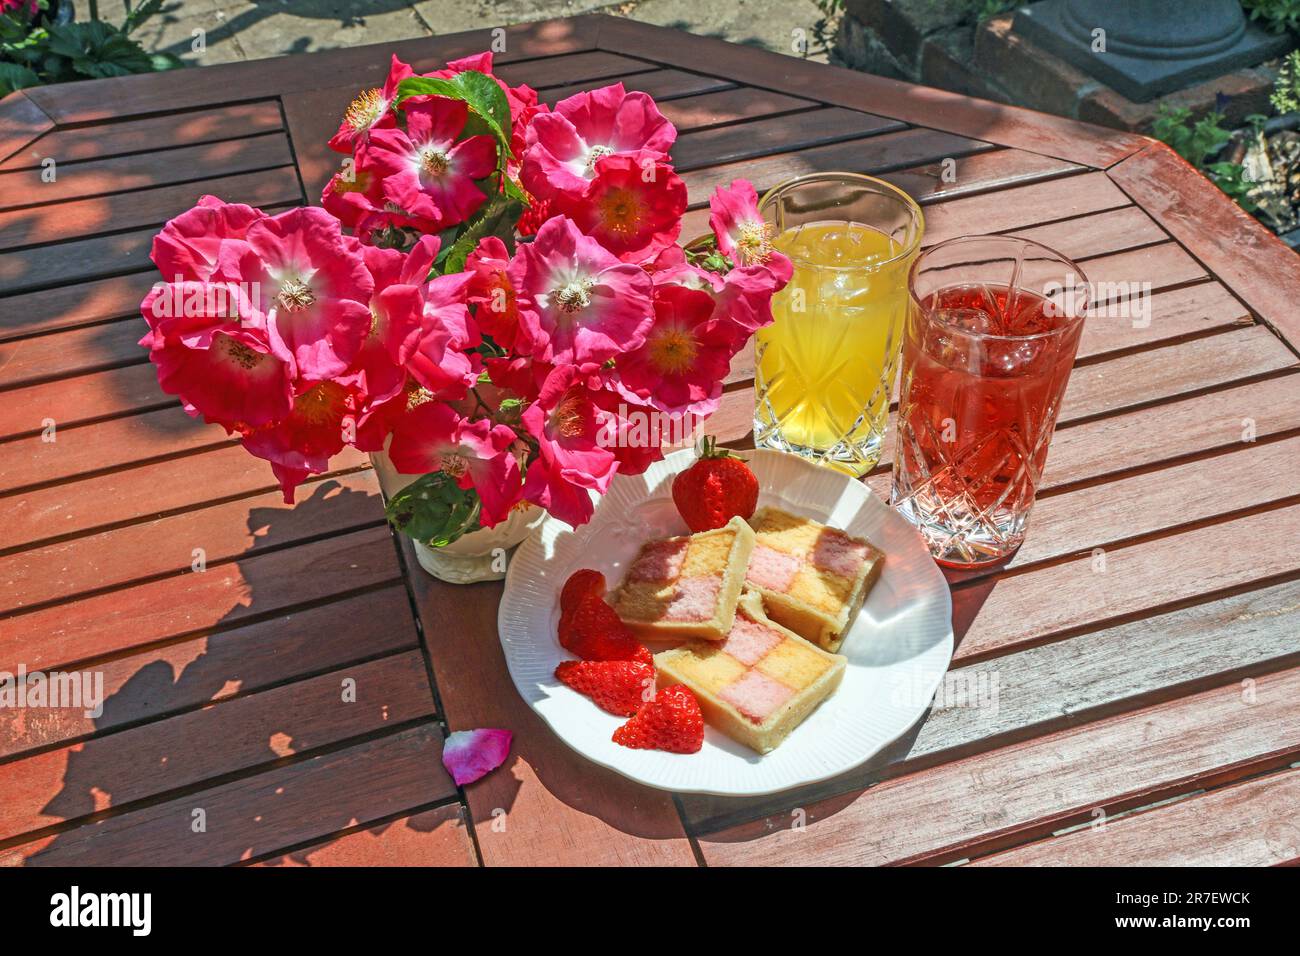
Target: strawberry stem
point(708, 448)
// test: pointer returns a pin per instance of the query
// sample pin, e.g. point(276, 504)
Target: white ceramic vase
point(477, 556)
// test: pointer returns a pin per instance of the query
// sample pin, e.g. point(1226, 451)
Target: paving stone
point(280, 27)
point(778, 25)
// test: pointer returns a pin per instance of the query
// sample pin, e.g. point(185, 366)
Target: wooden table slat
point(80, 218)
point(1244, 254)
point(1019, 610)
point(153, 490)
point(74, 305)
point(47, 574)
point(224, 597)
point(261, 814)
point(751, 139)
point(117, 137)
point(1203, 363)
point(75, 352)
point(437, 837)
point(925, 106)
point(95, 177)
point(78, 451)
point(1248, 824)
point(59, 786)
point(22, 121)
point(1033, 788)
point(160, 681)
point(874, 154)
point(1064, 684)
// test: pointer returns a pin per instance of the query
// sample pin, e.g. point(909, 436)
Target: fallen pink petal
point(471, 754)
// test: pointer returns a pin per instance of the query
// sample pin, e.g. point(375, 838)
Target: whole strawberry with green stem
point(717, 488)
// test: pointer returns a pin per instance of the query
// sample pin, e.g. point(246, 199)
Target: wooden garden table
point(1143, 644)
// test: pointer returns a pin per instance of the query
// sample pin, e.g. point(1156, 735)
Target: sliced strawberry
point(581, 584)
point(672, 722)
point(620, 687)
point(594, 632)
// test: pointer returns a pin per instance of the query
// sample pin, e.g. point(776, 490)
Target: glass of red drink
point(992, 331)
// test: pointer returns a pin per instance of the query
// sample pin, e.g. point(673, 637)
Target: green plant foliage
point(1278, 16)
point(1286, 89)
point(1193, 141)
point(987, 9)
point(1197, 142)
point(434, 510)
point(1231, 178)
point(497, 217)
point(75, 51)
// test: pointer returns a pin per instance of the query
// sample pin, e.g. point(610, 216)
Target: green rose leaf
point(434, 510)
point(497, 217)
point(482, 93)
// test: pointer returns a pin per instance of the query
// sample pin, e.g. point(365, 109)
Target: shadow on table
point(105, 770)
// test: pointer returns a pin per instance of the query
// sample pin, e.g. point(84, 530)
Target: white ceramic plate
point(898, 648)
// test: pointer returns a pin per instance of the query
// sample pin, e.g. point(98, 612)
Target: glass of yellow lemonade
point(825, 368)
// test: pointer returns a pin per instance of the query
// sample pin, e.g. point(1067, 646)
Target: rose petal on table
point(470, 754)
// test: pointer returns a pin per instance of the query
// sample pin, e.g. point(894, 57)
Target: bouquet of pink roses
point(506, 310)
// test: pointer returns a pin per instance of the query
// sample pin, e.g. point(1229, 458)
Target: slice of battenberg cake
point(758, 684)
point(687, 586)
point(813, 579)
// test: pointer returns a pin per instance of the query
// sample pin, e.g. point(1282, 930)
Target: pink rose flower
point(426, 173)
point(495, 300)
point(564, 144)
point(372, 109)
point(432, 437)
point(685, 357)
point(571, 458)
point(397, 311)
point(739, 229)
point(303, 443)
point(631, 209)
point(578, 304)
point(440, 361)
point(315, 290)
point(232, 379)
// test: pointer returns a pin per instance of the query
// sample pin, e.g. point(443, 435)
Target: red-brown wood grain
point(21, 122)
point(205, 536)
point(170, 678)
point(1033, 788)
point(149, 491)
point(60, 786)
point(116, 137)
point(143, 207)
point(130, 440)
point(437, 837)
point(1244, 254)
point(259, 815)
point(1009, 125)
point(187, 605)
point(76, 304)
point(1249, 824)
